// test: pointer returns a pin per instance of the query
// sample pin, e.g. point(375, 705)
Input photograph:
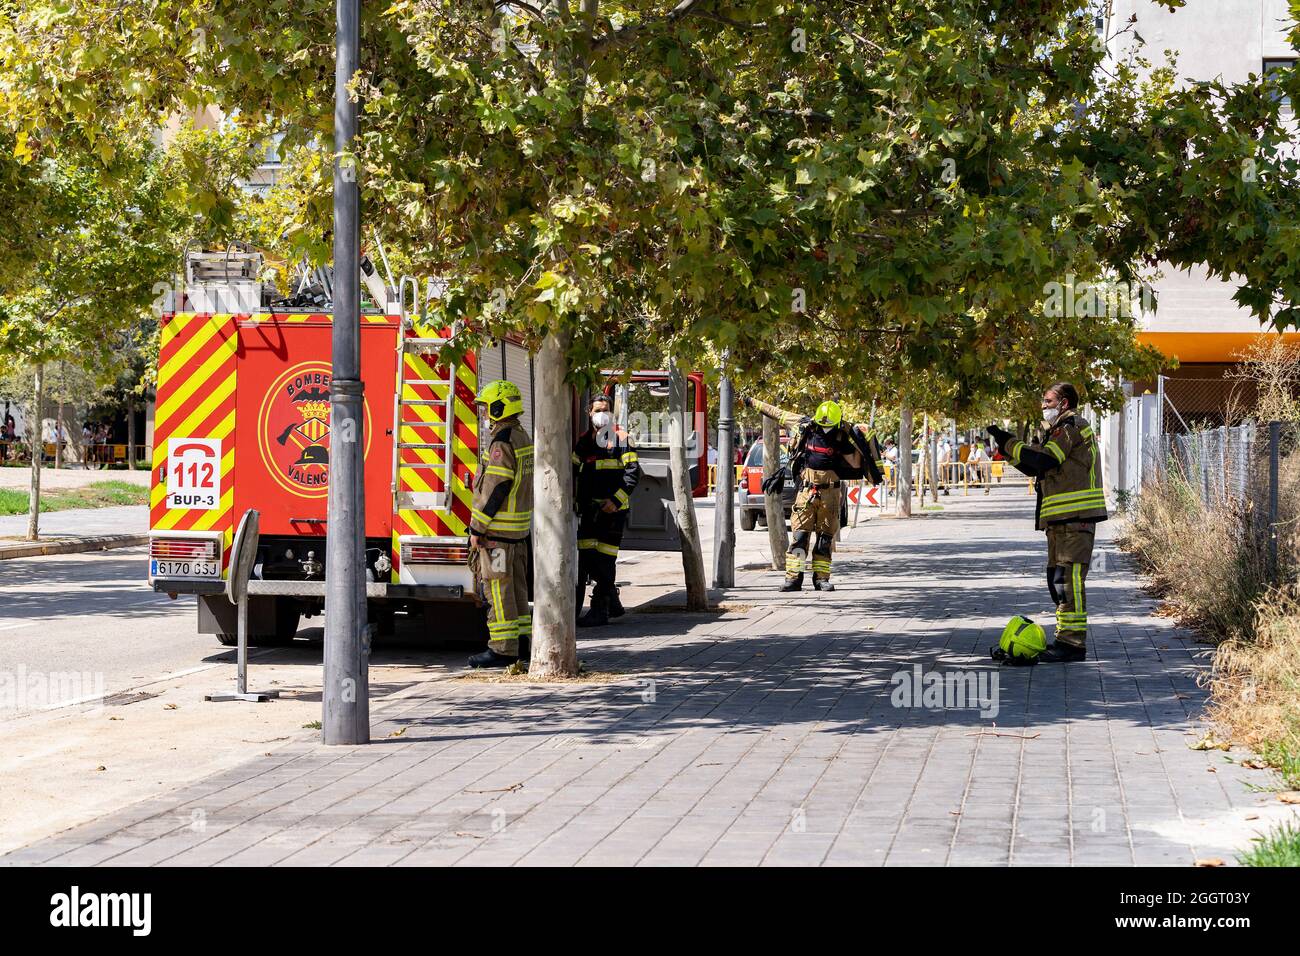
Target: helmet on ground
point(1021, 642)
point(828, 414)
point(502, 399)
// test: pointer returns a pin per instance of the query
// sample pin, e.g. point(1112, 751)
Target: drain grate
point(121, 700)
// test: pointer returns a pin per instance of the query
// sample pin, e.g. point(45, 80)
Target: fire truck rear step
point(374, 589)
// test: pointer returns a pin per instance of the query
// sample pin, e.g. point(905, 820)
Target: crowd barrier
point(964, 475)
point(103, 455)
point(713, 476)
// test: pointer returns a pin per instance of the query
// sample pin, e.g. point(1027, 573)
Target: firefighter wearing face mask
point(605, 471)
point(826, 450)
point(1070, 502)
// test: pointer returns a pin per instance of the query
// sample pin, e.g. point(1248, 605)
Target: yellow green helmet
point(502, 399)
point(828, 414)
point(1021, 642)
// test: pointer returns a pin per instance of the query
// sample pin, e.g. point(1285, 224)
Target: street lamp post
point(724, 486)
point(345, 697)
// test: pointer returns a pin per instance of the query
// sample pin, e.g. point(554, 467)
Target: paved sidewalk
point(766, 734)
point(75, 530)
point(82, 522)
point(59, 479)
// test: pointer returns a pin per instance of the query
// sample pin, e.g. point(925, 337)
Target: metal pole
point(724, 518)
point(1274, 441)
point(903, 487)
point(1160, 425)
point(241, 651)
point(344, 705)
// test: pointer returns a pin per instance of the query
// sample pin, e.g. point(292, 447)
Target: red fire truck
point(242, 421)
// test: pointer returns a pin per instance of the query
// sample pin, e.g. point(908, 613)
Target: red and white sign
point(866, 494)
point(193, 473)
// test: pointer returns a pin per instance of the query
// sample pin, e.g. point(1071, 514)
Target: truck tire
point(287, 617)
point(748, 519)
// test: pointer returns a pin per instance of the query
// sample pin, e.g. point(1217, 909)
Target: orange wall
point(1209, 346)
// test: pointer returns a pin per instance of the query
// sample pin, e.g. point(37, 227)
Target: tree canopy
point(872, 196)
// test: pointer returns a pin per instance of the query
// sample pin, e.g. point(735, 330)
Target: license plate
point(185, 569)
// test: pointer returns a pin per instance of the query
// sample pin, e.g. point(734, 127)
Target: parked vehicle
point(243, 422)
point(749, 494)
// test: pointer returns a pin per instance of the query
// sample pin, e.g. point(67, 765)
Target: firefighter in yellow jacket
point(500, 522)
point(1070, 503)
point(826, 450)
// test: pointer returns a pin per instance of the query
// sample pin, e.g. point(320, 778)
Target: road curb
point(103, 542)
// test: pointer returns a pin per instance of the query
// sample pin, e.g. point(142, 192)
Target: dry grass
point(1205, 562)
point(1210, 564)
point(1256, 684)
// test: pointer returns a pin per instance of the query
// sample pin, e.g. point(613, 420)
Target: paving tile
point(774, 738)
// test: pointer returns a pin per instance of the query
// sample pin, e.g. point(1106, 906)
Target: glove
point(775, 483)
point(746, 401)
point(998, 432)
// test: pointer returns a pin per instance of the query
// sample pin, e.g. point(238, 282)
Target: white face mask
point(601, 419)
point(1051, 414)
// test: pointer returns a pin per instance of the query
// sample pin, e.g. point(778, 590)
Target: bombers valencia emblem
point(294, 429)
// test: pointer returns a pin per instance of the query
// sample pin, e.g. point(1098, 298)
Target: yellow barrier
point(713, 476)
point(967, 475)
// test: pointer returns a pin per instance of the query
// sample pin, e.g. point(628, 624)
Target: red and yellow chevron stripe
point(195, 399)
point(426, 423)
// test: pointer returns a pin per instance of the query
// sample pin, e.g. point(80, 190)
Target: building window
point(1271, 66)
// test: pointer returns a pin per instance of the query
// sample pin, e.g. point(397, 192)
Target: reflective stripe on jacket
point(1071, 489)
point(503, 489)
point(601, 474)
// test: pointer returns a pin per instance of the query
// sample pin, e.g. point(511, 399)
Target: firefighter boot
point(598, 614)
point(822, 584)
point(491, 658)
point(1059, 653)
point(793, 584)
point(616, 608)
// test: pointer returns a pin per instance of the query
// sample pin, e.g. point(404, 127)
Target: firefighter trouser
point(599, 535)
point(816, 510)
point(1069, 552)
point(821, 556)
point(503, 585)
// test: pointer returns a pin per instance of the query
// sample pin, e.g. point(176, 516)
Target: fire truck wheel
point(383, 617)
point(287, 615)
point(748, 519)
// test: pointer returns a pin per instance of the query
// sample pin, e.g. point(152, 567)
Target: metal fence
point(1251, 470)
point(1203, 438)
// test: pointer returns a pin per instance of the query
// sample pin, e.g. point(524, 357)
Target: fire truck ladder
point(424, 346)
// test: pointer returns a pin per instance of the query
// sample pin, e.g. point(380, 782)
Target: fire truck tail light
point(183, 549)
point(429, 553)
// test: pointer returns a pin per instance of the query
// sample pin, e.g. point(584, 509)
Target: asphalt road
point(94, 613)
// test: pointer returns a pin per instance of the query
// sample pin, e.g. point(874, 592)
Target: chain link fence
point(1247, 468)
